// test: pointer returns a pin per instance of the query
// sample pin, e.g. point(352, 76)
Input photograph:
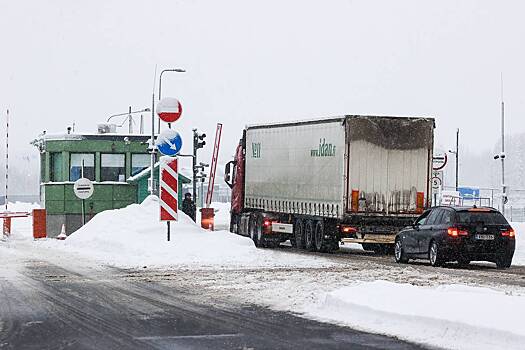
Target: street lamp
point(176, 70)
point(129, 117)
point(151, 182)
point(456, 152)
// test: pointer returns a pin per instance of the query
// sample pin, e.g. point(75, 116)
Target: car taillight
point(509, 233)
point(267, 223)
point(456, 232)
point(348, 229)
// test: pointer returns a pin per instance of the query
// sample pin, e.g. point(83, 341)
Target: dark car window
point(487, 218)
point(447, 218)
point(423, 218)
point(434, 214)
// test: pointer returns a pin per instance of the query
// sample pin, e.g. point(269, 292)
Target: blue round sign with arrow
point(169, 142)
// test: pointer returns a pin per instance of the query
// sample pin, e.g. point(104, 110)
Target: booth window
point(139, 162)
point(75, 166)
point(55, 168)
point(113, 167)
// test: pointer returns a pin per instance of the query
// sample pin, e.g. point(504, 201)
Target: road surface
point(68, 305)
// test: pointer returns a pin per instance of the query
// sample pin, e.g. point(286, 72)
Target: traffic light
point(198, 142)
point(198, 139)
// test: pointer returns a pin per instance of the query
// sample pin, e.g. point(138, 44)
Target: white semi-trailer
point(318, 182)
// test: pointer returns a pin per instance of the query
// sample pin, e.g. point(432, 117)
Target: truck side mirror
point(228, 178)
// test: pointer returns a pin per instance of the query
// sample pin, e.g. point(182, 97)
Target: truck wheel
point(251, 229)
point(259, 236)
point(319, 240)
point(309, 235)
point(298, 229)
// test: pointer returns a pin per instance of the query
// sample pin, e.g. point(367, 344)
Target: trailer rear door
point(389, 164)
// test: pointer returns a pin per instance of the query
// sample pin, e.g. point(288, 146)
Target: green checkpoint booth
point(112, 161)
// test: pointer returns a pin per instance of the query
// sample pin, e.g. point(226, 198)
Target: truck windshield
point(488, 218)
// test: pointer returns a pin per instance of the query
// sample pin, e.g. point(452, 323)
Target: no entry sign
point(169, 109)
point(168, 196)
point(83, 188)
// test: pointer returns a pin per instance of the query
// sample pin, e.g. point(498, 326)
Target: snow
point(519, 253)
point(434, 307)
point(450, 316)
point(134, 237)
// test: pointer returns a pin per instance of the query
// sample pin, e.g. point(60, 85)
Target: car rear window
point(488, 218)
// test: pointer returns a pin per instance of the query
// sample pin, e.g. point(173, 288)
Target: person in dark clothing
point(188, 207)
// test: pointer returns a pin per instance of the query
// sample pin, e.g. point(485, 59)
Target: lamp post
point(176, 70)
point(502, 154)
point(456, 152)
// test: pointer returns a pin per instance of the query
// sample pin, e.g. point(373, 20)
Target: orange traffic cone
point(62, 234)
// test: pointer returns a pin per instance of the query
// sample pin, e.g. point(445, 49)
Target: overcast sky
point(259, 61)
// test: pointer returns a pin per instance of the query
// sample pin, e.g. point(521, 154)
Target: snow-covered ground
point(449, 316)
point(430, 307)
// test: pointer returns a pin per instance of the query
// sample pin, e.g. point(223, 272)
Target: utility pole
point(151, 184)
point(457, 159)
point(502, 156)
point(456, 153)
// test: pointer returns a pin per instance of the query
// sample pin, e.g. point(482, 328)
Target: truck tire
point(298, 230)
point(255, 228)
point(259, 235)
point(309, 235)
point(319, 236)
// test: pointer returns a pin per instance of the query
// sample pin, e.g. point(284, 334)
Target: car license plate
point(485, 237)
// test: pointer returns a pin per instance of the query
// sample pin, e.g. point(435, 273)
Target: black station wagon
point(462, 234)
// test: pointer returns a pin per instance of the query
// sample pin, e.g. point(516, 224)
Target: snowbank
point(134, 236)
point(519, 254)
point(449, 316)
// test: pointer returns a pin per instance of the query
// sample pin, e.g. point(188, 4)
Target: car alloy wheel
point(434, 255)
point(397, 250)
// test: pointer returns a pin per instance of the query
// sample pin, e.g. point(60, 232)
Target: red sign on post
point(169, 109)
point(168, 196)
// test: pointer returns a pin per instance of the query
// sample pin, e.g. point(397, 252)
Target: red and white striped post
point(168, 194)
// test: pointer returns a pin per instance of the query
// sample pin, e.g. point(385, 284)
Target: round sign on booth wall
point(83, 188)
point(169, 142)
point(169, 109)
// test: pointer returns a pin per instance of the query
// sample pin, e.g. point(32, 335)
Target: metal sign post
point(169, 143)
point(83, 189)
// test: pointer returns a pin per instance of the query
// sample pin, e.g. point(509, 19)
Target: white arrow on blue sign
point(169, 142)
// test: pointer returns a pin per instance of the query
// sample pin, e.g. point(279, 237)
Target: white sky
point(258, 61)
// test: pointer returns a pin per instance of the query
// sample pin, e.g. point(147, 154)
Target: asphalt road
point(46, 306)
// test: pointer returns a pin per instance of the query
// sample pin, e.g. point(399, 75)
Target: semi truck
point(322, 182)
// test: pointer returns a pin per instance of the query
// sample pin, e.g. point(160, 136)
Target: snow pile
point(449, 316)
point(519, 253)
point(134, 236)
